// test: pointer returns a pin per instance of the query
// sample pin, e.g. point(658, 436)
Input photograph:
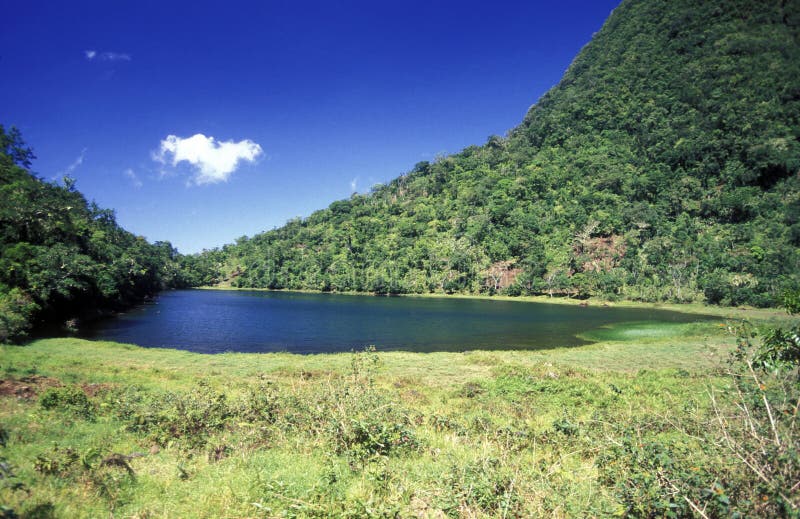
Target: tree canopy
point(64, 258)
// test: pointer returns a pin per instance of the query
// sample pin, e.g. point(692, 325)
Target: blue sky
point(306, 101)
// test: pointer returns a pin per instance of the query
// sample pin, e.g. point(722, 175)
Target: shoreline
point(727, 312)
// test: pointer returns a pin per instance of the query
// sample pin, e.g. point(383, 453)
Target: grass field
point(621, 426)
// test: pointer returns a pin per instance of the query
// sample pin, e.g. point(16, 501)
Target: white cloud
point(75, 164)
point(354, 185)
point(133, 177)
point(106, 56)
point(115, 56)
point(214, 161)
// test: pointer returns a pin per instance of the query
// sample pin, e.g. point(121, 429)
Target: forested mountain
point(663, 166)
point(63, 258)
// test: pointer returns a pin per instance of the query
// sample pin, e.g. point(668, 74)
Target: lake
point(216, 321)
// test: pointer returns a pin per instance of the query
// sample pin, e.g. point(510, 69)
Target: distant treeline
point(63, 259)
point(663, 166)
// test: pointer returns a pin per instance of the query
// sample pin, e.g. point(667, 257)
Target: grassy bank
point(98, 428)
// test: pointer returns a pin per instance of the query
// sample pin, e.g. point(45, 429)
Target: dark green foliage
point(483, 486)
point(373, 434)
point(779, 348)
point(13, 147)
point(652, 479)
point(8, 479)
point(58, 462)
point(566, 426)
point(187, 418)
point(64, 258)
point(791, 301)
point(662, 167)
point(68, 399)
point(107, 475)
point(362, 421)
point(16, 311)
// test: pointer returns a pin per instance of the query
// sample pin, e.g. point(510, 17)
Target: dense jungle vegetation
point(663, 166)
point(63, 258)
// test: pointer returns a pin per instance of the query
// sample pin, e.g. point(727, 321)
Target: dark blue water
point(215, 321)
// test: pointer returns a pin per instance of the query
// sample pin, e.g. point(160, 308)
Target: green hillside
point(63, 259)
point(663, 166)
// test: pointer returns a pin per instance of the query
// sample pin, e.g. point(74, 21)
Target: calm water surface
point(215, 321)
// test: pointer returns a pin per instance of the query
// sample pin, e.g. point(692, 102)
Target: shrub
point(68, 399)
point(373, 434)
point(757, 421)
point(653, 478)
point(8, 479)
point(362, 421)
point(16, 311)
point(58, 462)
point(187, 417)
point(791, 301)
point(483, 485)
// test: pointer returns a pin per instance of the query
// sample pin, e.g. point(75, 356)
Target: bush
point(362, 421)
point(483, 486)
point(656, 478)
point(16, 310)
point(187, 417)
point(791, 301)
point(757, 422)
point(68, 399)
point(58, 462)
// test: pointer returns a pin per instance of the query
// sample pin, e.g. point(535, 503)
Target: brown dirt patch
point(27, 387)
point(92, 390)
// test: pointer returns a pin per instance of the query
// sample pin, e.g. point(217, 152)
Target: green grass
point(479, 434)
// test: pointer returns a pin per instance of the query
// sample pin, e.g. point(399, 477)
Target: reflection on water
point(215, 321)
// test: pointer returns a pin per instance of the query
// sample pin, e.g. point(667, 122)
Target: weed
point(363, 365)
point(260, 403)
point(483, 485)
point(106, 475)
point(185, 417)
point(58, 462)
point(219, 452)
point(183, 473)
point(566, 425)
point(40, 511)
point(446, 423)
point(282, 499)
point(471, 390)
point(8, 479)
point(68, 399)
point(513, 438)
